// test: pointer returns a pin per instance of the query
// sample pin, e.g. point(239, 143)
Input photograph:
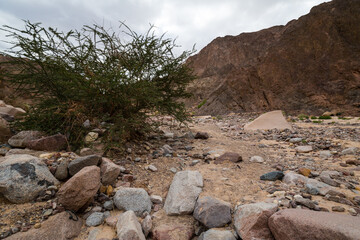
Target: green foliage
point(325, 117)
point(202, 103)
point(344, 118)
point(313, 117)
point(95, 74)
point(303, 117)
point(317, 121)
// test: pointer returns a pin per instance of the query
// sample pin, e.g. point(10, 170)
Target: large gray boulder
point(211, 212)
point(183, 193)
point(128, 227)
point(214, 234)
point(301, 224)
point(79, 163)
point(134, 199)
point(251, 220)
point(23, 177)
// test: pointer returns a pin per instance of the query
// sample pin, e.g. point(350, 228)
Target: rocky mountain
point(311, 65)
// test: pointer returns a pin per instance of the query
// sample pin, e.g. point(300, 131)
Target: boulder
point(229, 157)
point(5, 131)
point(214, 234)
point(15, 151)
point(183, 192)
point(95, 219)
point(173, 232)
point(109, 171)
point(251, 220)
point(292, 178)
point(23, 177)
point(134, 199)
point(272, 176)
point(62, 172)
point(349, 151)
point(11, 111)
point(304, 149)
point(56, 142)
point(22, 139)
point(270, 120)
point(316, 187)
point(304, 224)
point(212, 213)
point(79, 163)
point(80, 189)
point(59, 227)
point(147, 225)
point(128, 227)
point(201, 135)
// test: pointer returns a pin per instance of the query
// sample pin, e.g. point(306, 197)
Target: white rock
point(256, 159)
point(128, 227)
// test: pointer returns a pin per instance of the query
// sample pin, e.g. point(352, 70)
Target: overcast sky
point(190, 21)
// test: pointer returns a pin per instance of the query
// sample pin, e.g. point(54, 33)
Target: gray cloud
point(190, 21)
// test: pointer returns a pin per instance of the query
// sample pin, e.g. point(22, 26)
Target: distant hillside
point(312, 64)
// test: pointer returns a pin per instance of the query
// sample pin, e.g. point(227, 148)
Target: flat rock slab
point(211, 212)
point(183, 193)
point(79, 189)
point(298, 224)
point(23, 177)
point(173, 232)
point(128, 227)
point(134, 199)
point(304, 149)
point(58, 227)
point(22, 139)
point(251, 220)
point(214, 234)
point(56, 142)
point(270, 120)
point(228, 157)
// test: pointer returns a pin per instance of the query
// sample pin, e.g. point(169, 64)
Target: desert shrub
point(303, 116)
point(202, 103)
point(325, 117)
point(313, 117)
point(96, 74)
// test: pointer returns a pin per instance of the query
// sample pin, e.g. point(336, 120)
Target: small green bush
point(202, 103)
point(344, 118)
point(317, 121)
point(303, 117)
point(313, 117)
point(97, 75)
point(325, 117)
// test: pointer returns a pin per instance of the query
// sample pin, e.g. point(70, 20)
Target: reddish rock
point(353, 162)
point(58, 227)
point(56, 142)
point(201, 135)
point(109, 171)
point(251, 220)
point(308, 64)
point(80, 189)
point(228, 157)
point(175, 232)
point(298, 224)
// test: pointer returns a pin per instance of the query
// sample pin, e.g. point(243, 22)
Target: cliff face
point(312, 64)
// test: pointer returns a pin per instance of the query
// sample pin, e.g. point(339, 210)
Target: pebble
point(194, 162)
point(305, 172)
point(109, 205)
point(173, 170)
point(95, 219)
point(352, 212)
point(152, 168)
point(256, 159)
point(37, 225)
point(338, 209)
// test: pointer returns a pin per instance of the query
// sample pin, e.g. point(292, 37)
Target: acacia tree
point(95, 74)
